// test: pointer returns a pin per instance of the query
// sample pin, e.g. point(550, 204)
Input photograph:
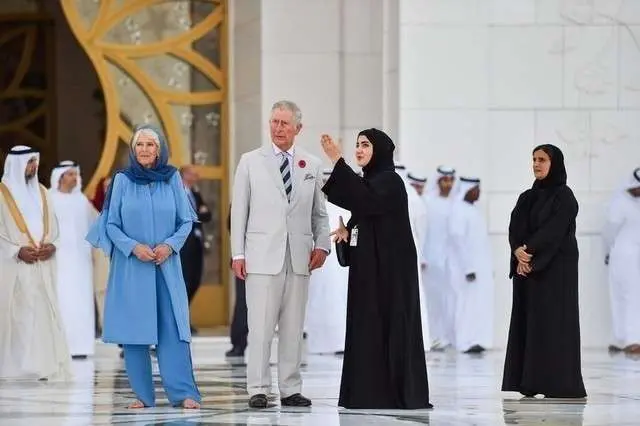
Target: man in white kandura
point(440, 294)
point(471, 270)
point(622, 243)
point(326, 322)
point(32, 342)
point(279, 234)
point(74, 259)
point(418, 220)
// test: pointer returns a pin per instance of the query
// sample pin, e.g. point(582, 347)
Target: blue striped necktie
point(285, 171)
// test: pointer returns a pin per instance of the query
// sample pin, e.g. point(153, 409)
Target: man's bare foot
point(137, 404)
point(190, 404)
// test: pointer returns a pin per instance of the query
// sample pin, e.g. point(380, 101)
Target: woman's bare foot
point(190, 404)
point(633, 349)
point(137, 404)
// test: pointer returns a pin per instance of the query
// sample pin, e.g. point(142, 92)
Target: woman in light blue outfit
point(143, 225)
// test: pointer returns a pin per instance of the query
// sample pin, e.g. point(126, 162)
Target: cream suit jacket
point(263, 220)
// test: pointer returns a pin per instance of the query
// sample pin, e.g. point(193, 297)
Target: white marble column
point(391, 77)
point(324, 55)
point(245, 70)
point(361, 70)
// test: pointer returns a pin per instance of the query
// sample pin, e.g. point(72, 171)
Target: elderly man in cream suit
point(279, 234)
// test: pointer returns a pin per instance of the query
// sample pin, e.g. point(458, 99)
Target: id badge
point(353, 242)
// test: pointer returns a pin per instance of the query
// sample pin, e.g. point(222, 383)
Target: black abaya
point(384, 360)
point(543, 352)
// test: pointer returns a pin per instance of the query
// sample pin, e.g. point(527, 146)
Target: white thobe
point(326, 317)
point(32, 342)
point(470, 253)
point(622, 240)
point(75, 288)
point(418, 220)
point(439, 292)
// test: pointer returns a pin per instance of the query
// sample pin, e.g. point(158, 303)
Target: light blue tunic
point(147, 214)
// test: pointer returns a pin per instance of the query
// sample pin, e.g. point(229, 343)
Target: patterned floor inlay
point(464, 390)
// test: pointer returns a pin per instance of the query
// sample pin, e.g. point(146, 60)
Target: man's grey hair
point(289, 106)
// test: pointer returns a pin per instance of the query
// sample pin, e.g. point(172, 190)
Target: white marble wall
point(483, 81)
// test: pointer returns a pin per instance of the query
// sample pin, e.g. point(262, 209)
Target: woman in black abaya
point(543, 353)
point(384, 361)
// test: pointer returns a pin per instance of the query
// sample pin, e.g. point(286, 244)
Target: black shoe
point(296, 400)
point(475, 349)
point(235, 352)
point(258, 401)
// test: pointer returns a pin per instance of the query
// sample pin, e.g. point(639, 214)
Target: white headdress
point(465, 184)
point(401, 169)
point(26, 193)
point(633, 181)
point(416, 179)
point(441, 171)
point(59, 170)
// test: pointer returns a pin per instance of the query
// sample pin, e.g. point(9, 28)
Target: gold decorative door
point(165, 62)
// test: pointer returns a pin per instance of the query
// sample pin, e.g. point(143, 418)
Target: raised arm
point(346, 189)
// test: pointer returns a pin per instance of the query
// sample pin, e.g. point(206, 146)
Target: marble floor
point(464, 390)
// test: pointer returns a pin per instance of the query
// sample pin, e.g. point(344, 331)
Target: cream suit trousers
point(275, 300)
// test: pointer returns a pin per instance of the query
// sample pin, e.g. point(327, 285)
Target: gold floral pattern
point(143, 52)
point(25, 89)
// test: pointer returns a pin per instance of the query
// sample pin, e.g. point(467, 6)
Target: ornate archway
point(165, 62)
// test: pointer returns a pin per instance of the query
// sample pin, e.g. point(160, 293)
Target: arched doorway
point(163, 62)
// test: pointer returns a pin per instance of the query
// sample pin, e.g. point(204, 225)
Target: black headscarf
point(534, 204)
point(382, 157)
point(557, 175)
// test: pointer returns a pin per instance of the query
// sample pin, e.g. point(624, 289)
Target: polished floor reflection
point(464, 391)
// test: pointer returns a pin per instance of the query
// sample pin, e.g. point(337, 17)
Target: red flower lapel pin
point(302, 164)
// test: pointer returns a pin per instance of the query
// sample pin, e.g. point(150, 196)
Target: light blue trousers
point(174, 358)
